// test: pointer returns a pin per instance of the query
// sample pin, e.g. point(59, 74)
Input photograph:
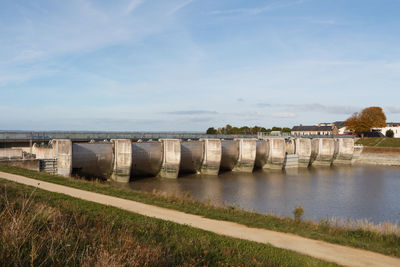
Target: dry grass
point(36, 234)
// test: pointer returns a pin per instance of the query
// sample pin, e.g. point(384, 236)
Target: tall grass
point(50, 229)
point(36, 234)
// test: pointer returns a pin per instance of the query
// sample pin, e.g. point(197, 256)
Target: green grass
point(383, 243)
point(379, 142)
point(51, 229)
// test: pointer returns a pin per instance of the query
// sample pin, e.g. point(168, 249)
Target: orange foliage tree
point(361, 122)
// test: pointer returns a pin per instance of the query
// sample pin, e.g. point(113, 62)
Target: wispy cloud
point(257, 10)
point(132, 6)
point(180, 6)
point(313, 107)
point(191, 112)
point(395, 110)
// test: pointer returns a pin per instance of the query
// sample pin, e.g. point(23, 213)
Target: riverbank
point(39, 227)
point(386, 156)
point(386, 242)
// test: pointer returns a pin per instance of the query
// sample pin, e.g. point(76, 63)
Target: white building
point(395, 127)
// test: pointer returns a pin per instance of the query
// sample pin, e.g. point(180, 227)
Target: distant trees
point(211, 130)
point(390, 133)
point(229, 129)
point(364, 121)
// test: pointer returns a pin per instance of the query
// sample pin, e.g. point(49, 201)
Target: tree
point(211, 130)
point(389, 133)
point(371, 117)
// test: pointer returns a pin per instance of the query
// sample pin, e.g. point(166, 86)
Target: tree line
point(229, 129)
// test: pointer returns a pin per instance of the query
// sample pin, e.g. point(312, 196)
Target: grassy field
point(43, 228)
point(383, 239)
point(379, 142)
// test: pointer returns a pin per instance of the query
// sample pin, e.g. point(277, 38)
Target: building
point(394, 126)
point(320, 129)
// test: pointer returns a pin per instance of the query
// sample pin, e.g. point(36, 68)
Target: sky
point(186, 65)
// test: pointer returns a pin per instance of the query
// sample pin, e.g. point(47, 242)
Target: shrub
point(389, 133)
point(297, 213)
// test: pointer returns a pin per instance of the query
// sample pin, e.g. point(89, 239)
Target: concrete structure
point(277, 153)
point(11, 153)
point(192, 153)
point(291, 161)
point(323, 150)
point(171, 158)
point(344, 150)
point(93, 160)
point(247, 155)
point(30, 164)
point(230, 154)
point(122, 164)
point(62, 151)
point(212, 156)
point(147, 158)
point(377, 156)
point(303, 151)
point(42, 152)
point(290, 146)
point(262, 153)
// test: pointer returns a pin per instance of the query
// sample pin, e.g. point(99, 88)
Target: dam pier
point(124, 159)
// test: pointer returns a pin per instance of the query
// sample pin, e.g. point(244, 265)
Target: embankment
point(379, 156)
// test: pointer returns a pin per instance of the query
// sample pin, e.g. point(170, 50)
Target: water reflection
point(348, 192)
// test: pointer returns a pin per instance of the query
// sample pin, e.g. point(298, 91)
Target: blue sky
point(148, 65)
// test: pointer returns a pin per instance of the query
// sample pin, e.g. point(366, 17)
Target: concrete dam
point(123, 160)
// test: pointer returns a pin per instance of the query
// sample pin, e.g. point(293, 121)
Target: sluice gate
point(123, 160)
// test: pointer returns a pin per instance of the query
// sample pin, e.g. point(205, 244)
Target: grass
point(379, 142)
point(360, 235)
point(44, 228)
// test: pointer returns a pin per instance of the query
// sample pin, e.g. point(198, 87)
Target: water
point(362, 192)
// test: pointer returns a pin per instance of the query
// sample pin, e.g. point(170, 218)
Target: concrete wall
point(247, 155)
point(42, 152)
point(147, 158)
point(290, 146)
point(191, 156)
point(377, 156)
point(171, 158)
point(323, 150)
point(62, 150)
point(344, 150)
point(30, 164)
point(94, 160)
point(262, 152)
point(10, 153)
point(230, 154)
point(303, 151)
point(212, 149)
point(122, 150)
point(277, 153)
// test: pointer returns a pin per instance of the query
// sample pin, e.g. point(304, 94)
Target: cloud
point(241, 100)
point(393, 109)
point(283, 115)
point(313, 107)
point(180, 6)
point(335, 109)
point(132, 6)
point(191, 112)
point(263, 105)
point(257, 10)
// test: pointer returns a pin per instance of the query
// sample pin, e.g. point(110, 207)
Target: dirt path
point(319, 249)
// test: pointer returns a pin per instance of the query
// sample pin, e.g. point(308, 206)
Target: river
point(357, 192)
